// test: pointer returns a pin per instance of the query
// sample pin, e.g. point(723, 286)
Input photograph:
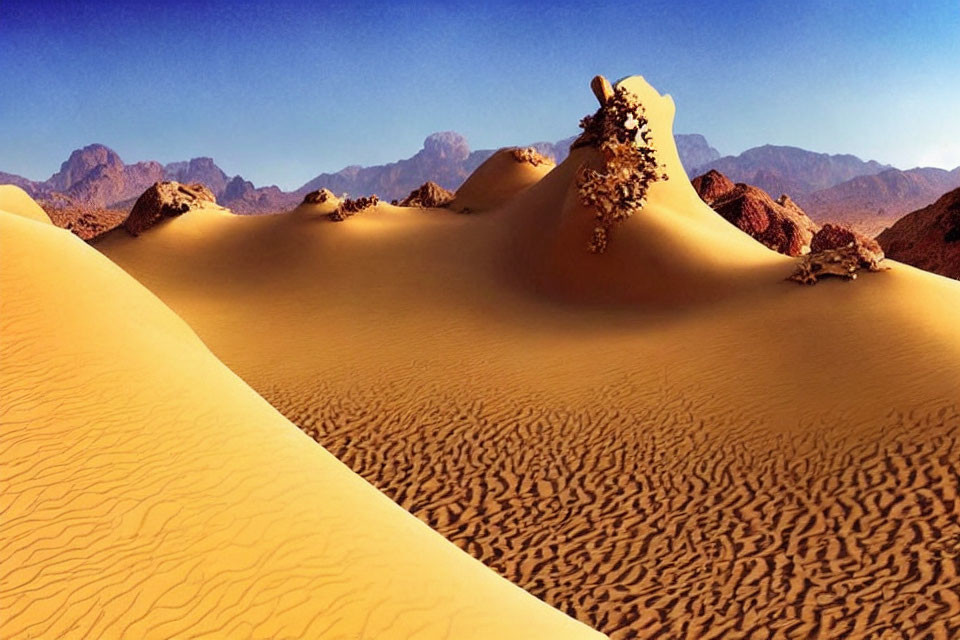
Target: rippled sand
point(667, 440)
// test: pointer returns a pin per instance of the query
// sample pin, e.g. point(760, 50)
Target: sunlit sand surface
point(147, 492)
point(665, 440)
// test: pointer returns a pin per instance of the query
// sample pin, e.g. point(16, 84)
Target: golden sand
point(149, 493)
point(665, 440)
point(15, 200)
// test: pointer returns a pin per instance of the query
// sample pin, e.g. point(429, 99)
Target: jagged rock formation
point(620, 132)
point(429, 195)
point(349, 208)
point(165, 200)
point(712, 185)
point(928, 238)
point(780, 225)
point(838, 251)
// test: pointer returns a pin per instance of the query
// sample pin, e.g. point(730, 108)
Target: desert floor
point(666, 440)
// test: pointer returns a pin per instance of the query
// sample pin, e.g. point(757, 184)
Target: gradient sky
point(280, 91)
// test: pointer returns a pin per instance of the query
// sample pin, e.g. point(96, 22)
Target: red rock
point(165, 200)
point(780, 225)
point(712, 185)
point(349, 208)
point(428, 195)
point(837, 250)
point(928, 238)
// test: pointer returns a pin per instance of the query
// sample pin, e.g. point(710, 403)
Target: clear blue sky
point(280, 91)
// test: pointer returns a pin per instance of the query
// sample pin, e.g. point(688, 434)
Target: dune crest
point(149, 493)
point(501, 177)
point(15, 200)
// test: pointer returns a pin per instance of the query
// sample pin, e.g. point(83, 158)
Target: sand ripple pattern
point(647, 520)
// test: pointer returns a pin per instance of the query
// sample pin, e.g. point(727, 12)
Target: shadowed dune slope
point(664, 440)
point(149, 493)
point(15, 200)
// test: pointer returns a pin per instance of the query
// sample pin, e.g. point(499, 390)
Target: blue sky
point(280, 91)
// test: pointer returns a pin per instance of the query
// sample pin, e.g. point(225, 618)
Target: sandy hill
point(665, 440)
point(149, 493)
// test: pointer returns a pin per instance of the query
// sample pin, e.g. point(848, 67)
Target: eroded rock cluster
point(349, 208)
point(429, 195)
point(319, 196)
point(620, 131)
point(839, 251)
point(778, 224)
point(531, 156)
point(165, 200)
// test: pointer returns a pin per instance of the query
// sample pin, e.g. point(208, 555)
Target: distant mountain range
point(96, 178)
point(928, 238)
point(837, 188)
point(830, 188)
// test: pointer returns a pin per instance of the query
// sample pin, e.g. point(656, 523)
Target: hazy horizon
point(281, 92)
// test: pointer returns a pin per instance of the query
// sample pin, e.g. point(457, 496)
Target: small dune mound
point(429, 195)
point(620, 131)
point(320, 196)
point(165, 200)
point(529, 155)
point(838, 251)
point(499, 179)
point(349, 208)
point(778, 224)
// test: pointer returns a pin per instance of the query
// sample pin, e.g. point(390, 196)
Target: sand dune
point(501, 176)
point(149, 493)
point(665, 440)
point(15, 200)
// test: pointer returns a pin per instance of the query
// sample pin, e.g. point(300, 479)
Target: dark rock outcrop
point(712, 186)
point(780, 225)
point(165, 200)
point(320, 196)
point(928, 238)
point(429, 195)
point(839, 251)
point(349, 208)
